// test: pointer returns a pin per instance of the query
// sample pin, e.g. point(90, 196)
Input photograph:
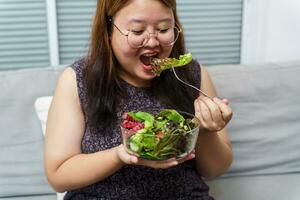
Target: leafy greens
point(164, 135)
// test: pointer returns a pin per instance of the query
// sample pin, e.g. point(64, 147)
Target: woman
point(84, 154)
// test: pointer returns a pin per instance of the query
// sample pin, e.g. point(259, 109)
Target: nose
point(152, 41)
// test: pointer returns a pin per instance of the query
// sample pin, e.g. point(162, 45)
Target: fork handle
point(189, 84)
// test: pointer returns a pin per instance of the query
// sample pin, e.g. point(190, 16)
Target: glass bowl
point(159, 135)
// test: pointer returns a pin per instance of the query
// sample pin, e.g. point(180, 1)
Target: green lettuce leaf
point(172, 115)
point(160, 65)
point(145, 117)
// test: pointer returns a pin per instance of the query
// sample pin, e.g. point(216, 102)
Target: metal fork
point(189, 84)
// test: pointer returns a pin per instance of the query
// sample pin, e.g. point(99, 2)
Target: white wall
point(271, 31)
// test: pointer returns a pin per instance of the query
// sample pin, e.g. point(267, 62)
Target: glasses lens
point(166, 37)
point(137, 39)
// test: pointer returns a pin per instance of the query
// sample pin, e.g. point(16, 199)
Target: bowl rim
point(191, 116)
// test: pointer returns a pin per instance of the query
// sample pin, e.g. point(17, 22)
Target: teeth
point(149, 54)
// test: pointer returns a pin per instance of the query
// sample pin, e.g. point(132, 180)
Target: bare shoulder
point(66, 79)
point(66, 94)
point(204, 72)
point(66, 86)
point(65, 99)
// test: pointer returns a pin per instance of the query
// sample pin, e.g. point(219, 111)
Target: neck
point(140, 83)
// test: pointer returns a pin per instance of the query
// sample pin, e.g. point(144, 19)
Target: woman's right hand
point(130, 159)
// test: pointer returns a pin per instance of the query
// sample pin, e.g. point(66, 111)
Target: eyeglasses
point(137, 39)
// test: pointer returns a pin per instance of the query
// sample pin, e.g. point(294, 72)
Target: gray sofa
point(265, 132)
point(21, 139)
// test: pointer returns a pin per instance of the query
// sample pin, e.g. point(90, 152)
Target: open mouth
point(146, 59)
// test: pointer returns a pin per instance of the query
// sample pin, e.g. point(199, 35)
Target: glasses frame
point(149, 35)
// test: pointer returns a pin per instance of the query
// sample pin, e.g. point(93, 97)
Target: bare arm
point(66, 166)
point(213, 149)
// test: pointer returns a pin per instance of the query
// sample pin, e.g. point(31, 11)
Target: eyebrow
point(142, 21)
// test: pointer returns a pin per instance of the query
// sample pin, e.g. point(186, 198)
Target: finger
point(225, 109)
point(210, 115)
point(165, 165)
point(215, 111)
point(198, 113)
point(158, 164)
point(196, 106)
point(133, 159)
point(123, 154)
point(226, 101)
point(205, 112)
point(187, 157)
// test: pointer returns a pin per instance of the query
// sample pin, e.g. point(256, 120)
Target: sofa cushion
point(261, 187)
point(265, 127)
point(21, 144)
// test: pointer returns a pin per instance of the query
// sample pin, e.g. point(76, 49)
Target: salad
point(159, 136)
point(161, 64)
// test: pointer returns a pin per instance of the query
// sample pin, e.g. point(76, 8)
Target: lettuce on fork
point(159, 65)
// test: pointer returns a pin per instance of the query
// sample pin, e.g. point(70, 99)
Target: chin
point(144, 72)
point(144, 79)
point(147, 75)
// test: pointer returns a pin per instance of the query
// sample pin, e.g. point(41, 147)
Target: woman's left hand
point(214, 114)
point(130, 159)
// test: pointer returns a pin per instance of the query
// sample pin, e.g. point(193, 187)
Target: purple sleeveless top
point(135, 182)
